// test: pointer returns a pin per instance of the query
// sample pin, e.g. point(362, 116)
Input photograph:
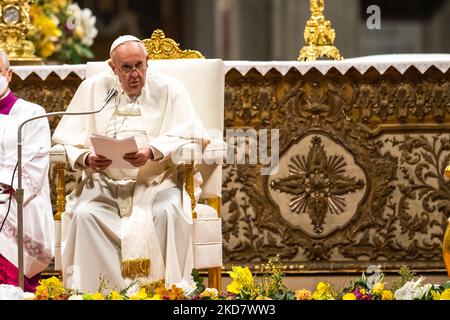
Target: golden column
point(319, 35)
point(15, 25)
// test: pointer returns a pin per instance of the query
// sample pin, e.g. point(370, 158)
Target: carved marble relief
point(320, 186)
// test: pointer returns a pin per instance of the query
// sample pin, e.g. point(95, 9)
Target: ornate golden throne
point(204, 81)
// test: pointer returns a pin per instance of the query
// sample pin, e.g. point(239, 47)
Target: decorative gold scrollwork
point(160, 47)
point(15, 25)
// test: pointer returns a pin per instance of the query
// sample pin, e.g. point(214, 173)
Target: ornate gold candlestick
point(15, 25)
point(319, 35)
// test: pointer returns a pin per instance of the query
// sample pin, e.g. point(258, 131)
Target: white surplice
point(37, 211)
point(97, 235)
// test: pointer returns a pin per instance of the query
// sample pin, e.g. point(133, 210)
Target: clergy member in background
point(128, 223)
point(38, 225)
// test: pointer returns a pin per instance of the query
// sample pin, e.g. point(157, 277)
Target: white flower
point(83, 23)
point(211, 292)
point(412, 290)
point(76, 297)
point(29, 296)
point(88, 24)
point(133, 288)
point(9, 292)
point(188, 286)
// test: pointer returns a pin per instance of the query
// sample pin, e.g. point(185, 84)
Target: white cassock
point(38, 225)
point(128, 223)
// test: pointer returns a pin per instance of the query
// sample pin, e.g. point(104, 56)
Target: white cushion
point(208, 256)
point(207, 227)
point(57, 261)
point(207, 238)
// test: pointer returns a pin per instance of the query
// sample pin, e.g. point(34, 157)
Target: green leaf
point(200, 287)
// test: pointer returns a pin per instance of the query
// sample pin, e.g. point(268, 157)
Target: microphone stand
point(19, 192)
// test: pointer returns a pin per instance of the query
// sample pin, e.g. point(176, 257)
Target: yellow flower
point(211, 293)
point(49, 27)
point(235, 286)
point(445, 295)
point(47, 49)
point(115, 295)
point(324, 291)
point(57, 5)
point(174, 293)
point(242, 278)
point(387, 295)
point(303, 294)
point(378, 288)
point(50, 288)
point(321, 286)
point(349, 296)
point(98, 296)
point(436, 295)
point(54, 35)
point(141, 295)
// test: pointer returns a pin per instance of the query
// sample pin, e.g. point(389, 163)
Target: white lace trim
point(62, 71)
point(401, 62)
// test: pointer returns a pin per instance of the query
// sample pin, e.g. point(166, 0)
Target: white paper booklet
point(114, 149)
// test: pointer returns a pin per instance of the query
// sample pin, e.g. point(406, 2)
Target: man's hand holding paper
point(138, 159)
point(109, 152)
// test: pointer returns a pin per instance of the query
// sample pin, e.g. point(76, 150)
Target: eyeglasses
point(139, 67)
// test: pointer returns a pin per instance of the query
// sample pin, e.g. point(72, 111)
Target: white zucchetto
point(122, 39)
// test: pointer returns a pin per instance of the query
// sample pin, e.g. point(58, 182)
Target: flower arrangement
point(63, 32)
point(244, 286)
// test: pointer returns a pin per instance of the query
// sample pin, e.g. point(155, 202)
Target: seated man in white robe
point(128, 223)
point(38, 227)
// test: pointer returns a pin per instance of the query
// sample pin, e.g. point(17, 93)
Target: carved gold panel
point(360, 177)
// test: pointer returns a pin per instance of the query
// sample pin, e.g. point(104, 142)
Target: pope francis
point(130, 222)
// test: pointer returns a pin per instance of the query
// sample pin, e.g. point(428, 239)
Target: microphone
point(19, 192)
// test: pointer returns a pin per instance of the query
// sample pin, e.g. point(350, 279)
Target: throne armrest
point(191, 153)
point(208, 162)
point(58, 154)
point(207, 224)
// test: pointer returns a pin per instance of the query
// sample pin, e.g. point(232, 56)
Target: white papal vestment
point(124, 215)
point(38, 225)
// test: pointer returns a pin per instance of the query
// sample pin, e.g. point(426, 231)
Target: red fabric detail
point(9, 274)
point(7, 103)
